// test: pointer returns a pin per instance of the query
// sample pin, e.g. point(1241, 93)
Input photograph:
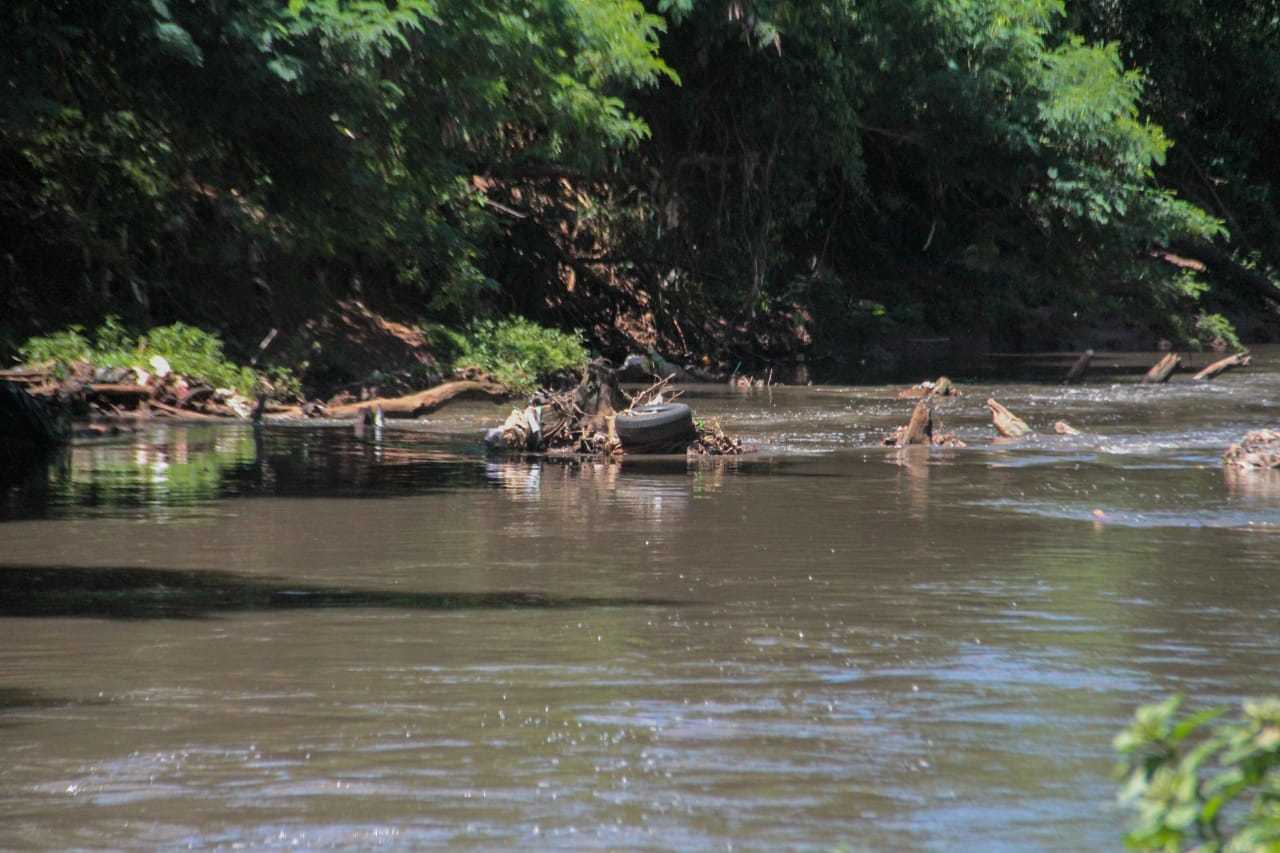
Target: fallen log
point(1006, 422)
point(1162, 369)
point(1064, 428)
point(1240, 359)
point(423, 402)
point(1078, 370)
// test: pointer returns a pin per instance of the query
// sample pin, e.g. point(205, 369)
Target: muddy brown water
point(299, 637)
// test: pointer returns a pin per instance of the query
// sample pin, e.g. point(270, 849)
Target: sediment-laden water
point(212, 636)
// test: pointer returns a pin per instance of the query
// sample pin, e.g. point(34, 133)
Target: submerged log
point(1240, 359)
point(1162, 369)
point(1006, 422)
point(423, 402)
point(1078, 370)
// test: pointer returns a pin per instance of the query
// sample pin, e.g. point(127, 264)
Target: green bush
point(190, 351)
point(1200, 781)
point(517, 352)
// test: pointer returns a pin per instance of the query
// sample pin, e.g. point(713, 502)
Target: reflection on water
point(221, 637)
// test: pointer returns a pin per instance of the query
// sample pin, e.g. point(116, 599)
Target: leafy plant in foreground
point(1199, 781)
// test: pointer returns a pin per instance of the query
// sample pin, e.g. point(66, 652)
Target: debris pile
point(1258, 449)
point(85, 391)
point(596, 418)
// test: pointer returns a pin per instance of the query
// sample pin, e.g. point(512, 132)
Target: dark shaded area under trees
point(745, 181)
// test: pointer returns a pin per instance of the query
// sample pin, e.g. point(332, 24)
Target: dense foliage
point(151, 147)
point(958, 164)
point(1197, 780)
point(890, 167)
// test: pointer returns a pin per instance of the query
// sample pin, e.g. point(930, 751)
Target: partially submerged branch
point(1006, 422)
point(1162, 369)
point(1240, 359)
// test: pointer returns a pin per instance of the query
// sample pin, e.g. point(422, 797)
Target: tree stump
point(920, 427)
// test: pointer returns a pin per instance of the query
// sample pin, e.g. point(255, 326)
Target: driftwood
point(416, 405)
point(1078, 370)
point(1162, 369)
point(1064, 428)
point(1006, 422)
point(1240, 359)
point(1259, 449)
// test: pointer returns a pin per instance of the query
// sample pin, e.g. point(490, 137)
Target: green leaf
point(177, 42)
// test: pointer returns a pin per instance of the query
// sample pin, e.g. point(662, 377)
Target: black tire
point(648, 426)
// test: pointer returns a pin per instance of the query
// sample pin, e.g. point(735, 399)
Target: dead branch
point(1240, 359)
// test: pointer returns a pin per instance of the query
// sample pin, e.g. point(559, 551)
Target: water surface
point(212, 636)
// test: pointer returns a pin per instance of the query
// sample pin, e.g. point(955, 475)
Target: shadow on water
point(121, 592)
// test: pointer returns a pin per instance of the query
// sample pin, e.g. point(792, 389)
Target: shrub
point(519, 353)
point(190, 351)
point(1200, 781)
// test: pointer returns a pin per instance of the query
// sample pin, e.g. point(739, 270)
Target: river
point(301, 637)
